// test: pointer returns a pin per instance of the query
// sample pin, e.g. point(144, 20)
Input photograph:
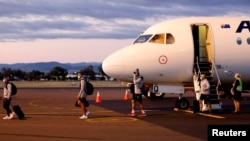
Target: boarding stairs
point(209, 70)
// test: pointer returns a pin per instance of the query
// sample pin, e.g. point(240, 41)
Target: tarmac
point(50, 115)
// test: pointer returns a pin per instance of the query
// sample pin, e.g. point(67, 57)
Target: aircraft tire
point(182, 103)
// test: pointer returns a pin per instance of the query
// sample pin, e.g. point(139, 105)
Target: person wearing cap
point(137, 95)
point(7, 98)
point(237, 90)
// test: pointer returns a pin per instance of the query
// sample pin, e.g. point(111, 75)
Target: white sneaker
point(88, 113)
point(83, 117)
point(6, 117)
point(11, 116)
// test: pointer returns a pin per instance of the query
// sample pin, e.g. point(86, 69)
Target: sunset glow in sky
point(73, 31)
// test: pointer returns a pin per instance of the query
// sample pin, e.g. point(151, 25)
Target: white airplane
point(170, 53)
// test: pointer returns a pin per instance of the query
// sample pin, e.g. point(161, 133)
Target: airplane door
point(202, 39)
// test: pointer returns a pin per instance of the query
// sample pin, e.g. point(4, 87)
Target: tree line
point(56, 73)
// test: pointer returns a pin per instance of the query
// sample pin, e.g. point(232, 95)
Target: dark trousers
point(6, 105)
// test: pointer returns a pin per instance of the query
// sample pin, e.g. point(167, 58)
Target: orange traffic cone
point(98, 98)
point(126, 97)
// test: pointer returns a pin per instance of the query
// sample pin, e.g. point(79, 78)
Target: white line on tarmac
point(204, 114)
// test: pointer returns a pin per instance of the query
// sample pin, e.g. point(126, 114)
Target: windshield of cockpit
point(143, 38)
point(162, 38)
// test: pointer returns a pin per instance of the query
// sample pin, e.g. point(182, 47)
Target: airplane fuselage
point(222, 41)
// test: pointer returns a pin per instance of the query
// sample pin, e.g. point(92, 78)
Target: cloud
point(106, 19)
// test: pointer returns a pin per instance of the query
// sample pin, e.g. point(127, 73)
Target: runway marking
point(106, 118)
point(32, 104)
point(111, 119)
point(58, 108)
point(49, 113)
point(204, 114)
point(99, 111)
point(49, 136)
point(146, 110)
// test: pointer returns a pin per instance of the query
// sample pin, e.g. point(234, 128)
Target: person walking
point(205, 91)
point(82, 97)
point(7, 98)
point(237, 90)
point(137, 94)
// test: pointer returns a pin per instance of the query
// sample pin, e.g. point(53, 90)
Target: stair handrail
point(198, 67)
point(196, 77)
point(217, 75)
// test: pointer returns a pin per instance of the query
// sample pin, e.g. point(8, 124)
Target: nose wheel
point(182, 103)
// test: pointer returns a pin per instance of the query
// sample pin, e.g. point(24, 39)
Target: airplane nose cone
point(113, 65)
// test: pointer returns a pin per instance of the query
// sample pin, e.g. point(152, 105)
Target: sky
point(73, 31)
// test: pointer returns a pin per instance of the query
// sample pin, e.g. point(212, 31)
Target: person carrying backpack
point(7, 98)
point(137, 95)
point(82, 96)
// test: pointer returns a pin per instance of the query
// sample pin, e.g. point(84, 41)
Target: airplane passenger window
point(158, 38)
point(142, 38)
point(169, 39)
point(239, 41)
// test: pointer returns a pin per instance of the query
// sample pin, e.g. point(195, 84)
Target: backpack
point(13, 89)
point(89, 88)
point(141, 85)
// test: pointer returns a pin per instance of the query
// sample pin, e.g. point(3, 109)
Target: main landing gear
point(182, 103)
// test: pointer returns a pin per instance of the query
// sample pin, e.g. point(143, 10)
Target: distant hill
point(47, 66)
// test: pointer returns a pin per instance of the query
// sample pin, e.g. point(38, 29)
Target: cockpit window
point(158, 38)
point(161, 38)
point(169, 38)
point(142, 38)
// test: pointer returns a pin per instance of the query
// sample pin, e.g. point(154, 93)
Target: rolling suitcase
point(196, 106)
point(18, 111)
